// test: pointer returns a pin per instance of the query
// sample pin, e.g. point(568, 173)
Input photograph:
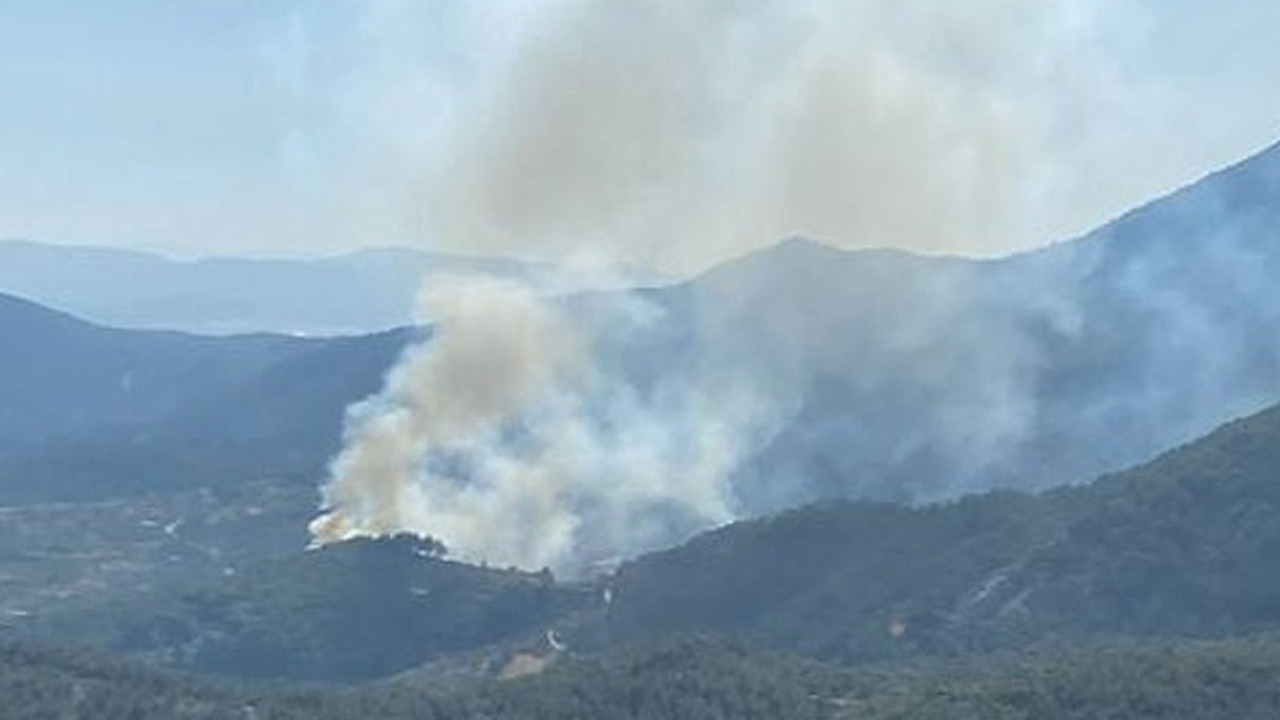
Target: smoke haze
point(315, 128)
point(503, 438)
point(677, 135)
point(532, 432)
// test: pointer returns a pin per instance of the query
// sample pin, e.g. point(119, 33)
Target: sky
point(669, 133)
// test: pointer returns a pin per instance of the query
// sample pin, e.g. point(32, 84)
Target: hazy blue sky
point(303, 127)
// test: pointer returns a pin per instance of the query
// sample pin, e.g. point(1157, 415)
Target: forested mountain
point(900, 377)
point(889, 376)
point(61, 375)
point(1185, 545)
point(355, 611)
point(693, 679)
point(91, 412)
point(334, 384)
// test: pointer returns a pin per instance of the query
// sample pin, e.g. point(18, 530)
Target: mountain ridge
point(88, 411)
point(357, 292)
point(1179, 546)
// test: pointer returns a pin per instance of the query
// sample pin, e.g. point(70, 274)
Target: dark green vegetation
point(61, 565)
point(355, 611)
point(1169, 681)
point(1186, 545)
point(360, 610)
point(689, 680)
point(700, 679)
point(89, 413)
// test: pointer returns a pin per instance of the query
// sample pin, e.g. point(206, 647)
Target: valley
point(664, 360)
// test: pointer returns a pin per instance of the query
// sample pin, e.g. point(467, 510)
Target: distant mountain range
point(881, 374)
point(356, 293)
point(901, 377)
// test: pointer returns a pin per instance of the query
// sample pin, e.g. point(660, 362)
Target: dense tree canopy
point(699, 679)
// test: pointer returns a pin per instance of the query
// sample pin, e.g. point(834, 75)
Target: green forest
point(697, 678)
point(658, 360)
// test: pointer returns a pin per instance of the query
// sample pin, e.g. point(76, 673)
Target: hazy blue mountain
point(897, 376)
point(60, 375)
point(359, 292)
point(89, 412)
point(881, 374)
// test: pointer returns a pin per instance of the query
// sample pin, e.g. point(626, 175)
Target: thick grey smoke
point(496, 353)
point(503, 438)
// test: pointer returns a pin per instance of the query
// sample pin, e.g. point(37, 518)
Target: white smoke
point(665, 132)
point(677, 133)
point(501, 437)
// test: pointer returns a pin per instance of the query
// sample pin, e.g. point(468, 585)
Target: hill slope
point(893, 376)
point(90, 412)
point(876, 374)
point(354, 611)
point(1185, 545)
point(1182, 547)
point(869, 374)
point(696, 679)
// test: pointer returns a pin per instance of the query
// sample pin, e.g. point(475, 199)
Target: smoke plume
point(536, 432)
point(502, 437)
